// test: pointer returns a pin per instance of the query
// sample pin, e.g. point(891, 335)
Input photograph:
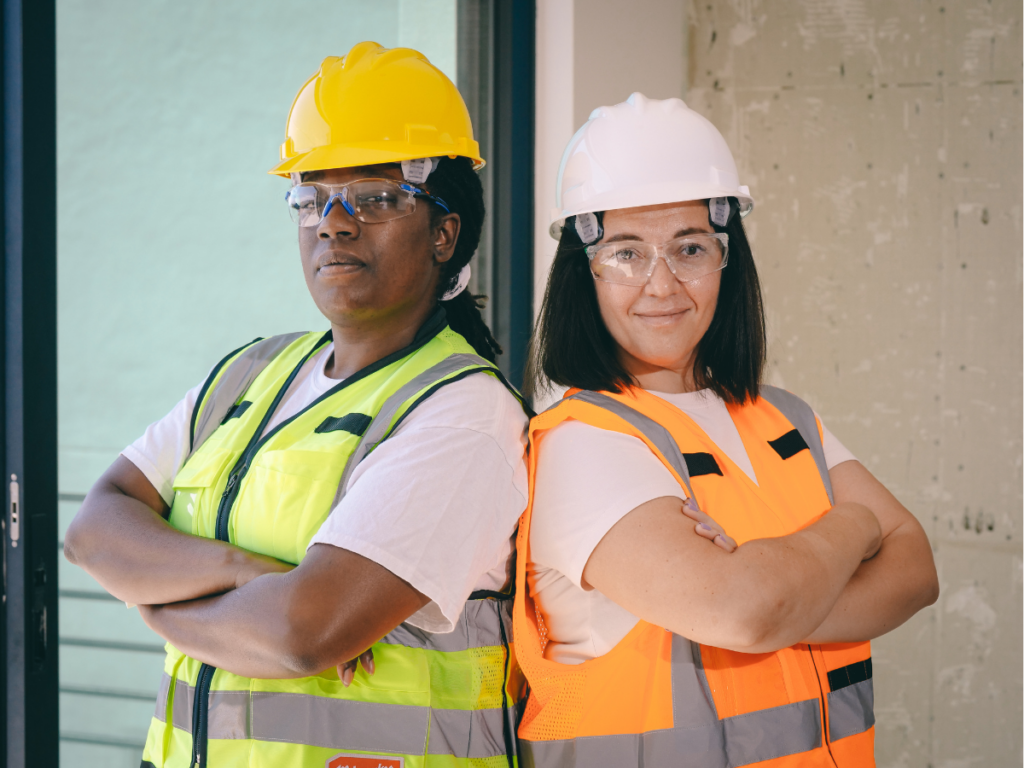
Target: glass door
point(174, 247)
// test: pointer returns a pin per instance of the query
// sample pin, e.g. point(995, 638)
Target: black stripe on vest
point(236, 410)
point(701, 464)
point(356, 423)
point(790, 444)
point(851, 674)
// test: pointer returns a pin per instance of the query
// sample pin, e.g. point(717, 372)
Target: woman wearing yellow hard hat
point(320, 494)
point(647, 636)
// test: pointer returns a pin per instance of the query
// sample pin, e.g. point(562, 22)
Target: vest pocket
point(284, 499)
point(194, 506)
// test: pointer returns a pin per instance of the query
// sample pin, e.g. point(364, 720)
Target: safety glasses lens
point(632, 263)
point(369, 200)
point(304, 206)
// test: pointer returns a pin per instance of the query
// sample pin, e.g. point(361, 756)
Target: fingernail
point(346, 676)
point(370, 667)
point(705, 527)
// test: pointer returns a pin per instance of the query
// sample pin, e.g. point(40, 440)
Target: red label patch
point(364, 761)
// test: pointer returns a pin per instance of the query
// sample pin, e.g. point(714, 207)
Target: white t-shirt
point(447, 526)
point(587, 480)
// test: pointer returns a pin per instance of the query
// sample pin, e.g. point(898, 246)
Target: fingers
point(713, 532)
point(347, 670)
point(707, 528)
point(692, 511)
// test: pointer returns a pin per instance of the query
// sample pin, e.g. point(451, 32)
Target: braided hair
point(455, 182)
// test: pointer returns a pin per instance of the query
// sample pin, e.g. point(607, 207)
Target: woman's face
point(657, 326)
point(358, 272)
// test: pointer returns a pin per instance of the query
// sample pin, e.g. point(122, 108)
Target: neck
point(672, 380)
point(359, 342)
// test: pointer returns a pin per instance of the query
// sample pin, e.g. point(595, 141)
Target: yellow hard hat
point(375, 105)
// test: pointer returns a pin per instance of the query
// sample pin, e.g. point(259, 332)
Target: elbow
point(755, 626)
point(76, 544)
point(309, 645)
point(930, 590)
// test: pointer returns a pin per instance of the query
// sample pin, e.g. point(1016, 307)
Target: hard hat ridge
point(644, 152)
point(375, 105)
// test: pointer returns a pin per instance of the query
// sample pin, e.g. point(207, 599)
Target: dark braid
point(455, 182)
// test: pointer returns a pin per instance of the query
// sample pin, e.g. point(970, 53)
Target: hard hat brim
point(654, 194)
point(375, 153)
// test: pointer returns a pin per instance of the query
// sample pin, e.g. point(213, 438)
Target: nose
point(338, 220)
point(662, 281)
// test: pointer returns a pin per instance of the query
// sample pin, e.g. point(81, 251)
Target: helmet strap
point(721, 210)
point(416, 171)
point(589, 227)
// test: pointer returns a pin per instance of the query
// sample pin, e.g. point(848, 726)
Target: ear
point(446, 235)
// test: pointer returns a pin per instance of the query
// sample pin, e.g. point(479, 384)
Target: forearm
point(135, 554)
point(330, 609)
point(246, 631)
point(884, 592)
point(793, 582)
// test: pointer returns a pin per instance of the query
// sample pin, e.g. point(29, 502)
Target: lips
point(335, 262)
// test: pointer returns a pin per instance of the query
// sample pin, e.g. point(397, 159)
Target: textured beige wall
point(882, 141)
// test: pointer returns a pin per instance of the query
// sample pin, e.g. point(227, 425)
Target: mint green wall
point(174, 247)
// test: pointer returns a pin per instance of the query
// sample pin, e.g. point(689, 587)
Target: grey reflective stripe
point(297, 718)
point(381, 423)
point(801, 416)
point(161, 699)
point(240, 373)
point(465, 733)
point(851, 710)
point(692, 699)
point(477, 627)
point(699, 740)
point(651, 429)
point(181, 716)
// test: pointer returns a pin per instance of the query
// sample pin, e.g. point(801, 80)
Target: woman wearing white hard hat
point(702, 564)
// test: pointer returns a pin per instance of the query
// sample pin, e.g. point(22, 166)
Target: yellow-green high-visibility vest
point(436, 699)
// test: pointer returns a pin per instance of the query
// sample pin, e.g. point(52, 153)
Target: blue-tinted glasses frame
point(340, 196)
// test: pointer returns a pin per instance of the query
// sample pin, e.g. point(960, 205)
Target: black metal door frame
point(29, 626)
point(496, 52)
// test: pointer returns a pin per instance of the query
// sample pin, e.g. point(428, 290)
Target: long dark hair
point(455, 182)
point(573, 348)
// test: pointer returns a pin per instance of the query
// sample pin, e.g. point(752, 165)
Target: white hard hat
point(644, 152)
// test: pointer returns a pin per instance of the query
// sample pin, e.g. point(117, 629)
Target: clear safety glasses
point(368, 200)
point(631, 262)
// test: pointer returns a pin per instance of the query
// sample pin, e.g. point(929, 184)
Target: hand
point(707, 527)
point(347, 669)
point(253, 565)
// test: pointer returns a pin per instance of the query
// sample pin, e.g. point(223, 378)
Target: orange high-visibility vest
point(656, 699)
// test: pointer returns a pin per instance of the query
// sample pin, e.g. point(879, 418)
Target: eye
point(690, 250)
point(627, 254)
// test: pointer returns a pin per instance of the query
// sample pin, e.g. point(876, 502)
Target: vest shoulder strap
point(453, 368)
point(228, 381)
point(651, 429)
point(801, 416)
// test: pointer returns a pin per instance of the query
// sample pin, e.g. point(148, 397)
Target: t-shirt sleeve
point(835, 452)
point(161, 450)
point(587, 480)
point(437, 503)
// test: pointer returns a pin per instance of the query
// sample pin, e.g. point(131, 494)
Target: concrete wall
point(882, 143)
point(174, 247)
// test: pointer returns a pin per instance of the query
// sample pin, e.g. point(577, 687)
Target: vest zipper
point(201, 698)
point(824, 707)
point(434, 325)
point(200, 715)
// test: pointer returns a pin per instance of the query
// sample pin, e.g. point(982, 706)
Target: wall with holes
point(881, 140)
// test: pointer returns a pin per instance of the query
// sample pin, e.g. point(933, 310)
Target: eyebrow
point(680, 233)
